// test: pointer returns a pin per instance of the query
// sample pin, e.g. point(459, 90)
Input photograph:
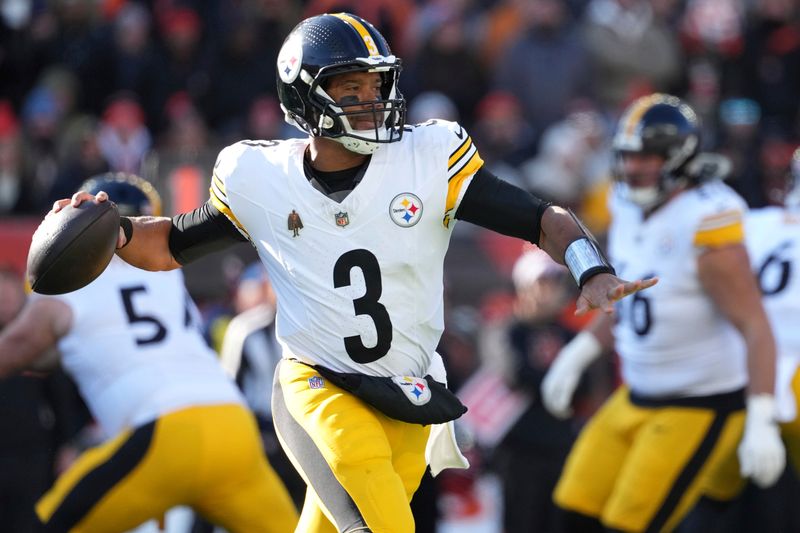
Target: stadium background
point(158, 87)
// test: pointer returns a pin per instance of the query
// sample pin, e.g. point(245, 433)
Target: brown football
point(72, 247)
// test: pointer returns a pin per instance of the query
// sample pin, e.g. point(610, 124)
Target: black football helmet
point(324, 46)
point(133, 195)
point(664, 125)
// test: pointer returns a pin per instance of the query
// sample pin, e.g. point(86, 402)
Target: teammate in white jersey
point(773, 241)
point(353, 224)
point(178, 432)
point(640, 463)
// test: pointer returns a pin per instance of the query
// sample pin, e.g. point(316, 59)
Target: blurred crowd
point(157, 87)
point(153, 86)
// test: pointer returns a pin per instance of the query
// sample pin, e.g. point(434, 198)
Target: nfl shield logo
point(342, 219)
point(316, 382)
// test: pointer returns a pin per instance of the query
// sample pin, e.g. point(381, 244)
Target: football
point(72, 247)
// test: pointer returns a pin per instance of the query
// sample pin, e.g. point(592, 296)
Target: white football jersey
point(359, 283)
point(671, 339)
point(773, 242)
point(135, 349)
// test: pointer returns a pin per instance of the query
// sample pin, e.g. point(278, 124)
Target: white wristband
point(584, 260)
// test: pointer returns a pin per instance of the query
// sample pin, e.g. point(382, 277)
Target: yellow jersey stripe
point(369, 42)
point(220, 185)
point(720, 219)
point(460, 151)
point(456, 183)
point(467, 161)
point(220, 204)
point(720, 236)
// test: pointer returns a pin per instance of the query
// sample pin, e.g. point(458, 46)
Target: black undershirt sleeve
point(201, 232)
point(502, 207)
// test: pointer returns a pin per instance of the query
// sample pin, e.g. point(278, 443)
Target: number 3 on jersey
point(367, 304)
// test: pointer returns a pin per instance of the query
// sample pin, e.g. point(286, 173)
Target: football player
point(686, 402)
point(178, 431)
point(359, 285)
point(773, 241)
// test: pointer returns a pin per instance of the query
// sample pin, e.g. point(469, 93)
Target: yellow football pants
point(642, 468)
point(209, 458)
point(361, 467)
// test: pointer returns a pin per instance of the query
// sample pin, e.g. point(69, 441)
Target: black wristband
point(592, 272)
point(127, 228)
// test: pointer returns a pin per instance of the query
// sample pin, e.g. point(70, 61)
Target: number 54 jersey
point(135, 349)
point(359, 282)
point(671, 339)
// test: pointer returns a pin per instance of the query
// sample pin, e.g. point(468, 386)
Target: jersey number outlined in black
point(367, 304)
point(776, 259)
point(135, 317)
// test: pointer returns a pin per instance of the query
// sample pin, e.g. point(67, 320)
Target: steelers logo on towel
point(405, 209)
point(416, 389)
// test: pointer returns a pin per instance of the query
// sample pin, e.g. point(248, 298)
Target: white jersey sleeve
point(671, 338)
point(359, 282)
point(135, 349)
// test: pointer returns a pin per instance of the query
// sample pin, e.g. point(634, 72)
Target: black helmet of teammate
point(660, 124)
point(664, 125)
point(330, 44)
point(133, 195)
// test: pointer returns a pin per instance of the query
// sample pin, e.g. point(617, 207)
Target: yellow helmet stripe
point(369, 42)
point(636, 112)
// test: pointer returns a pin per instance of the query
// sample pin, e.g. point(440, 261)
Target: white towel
point(442, 450)
point(786, 404)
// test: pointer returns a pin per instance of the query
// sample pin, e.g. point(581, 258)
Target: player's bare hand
point(602, 290)
point(77, 199)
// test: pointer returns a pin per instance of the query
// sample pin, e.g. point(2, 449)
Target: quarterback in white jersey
point(689, 348)
point(353, 224)
point(335, 307)
point(773, 241)
point(176, 426)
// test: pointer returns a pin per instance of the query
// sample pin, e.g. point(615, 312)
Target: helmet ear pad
point(293, 106)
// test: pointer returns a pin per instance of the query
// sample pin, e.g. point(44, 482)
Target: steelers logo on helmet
point(405, 209)
point(290, 59)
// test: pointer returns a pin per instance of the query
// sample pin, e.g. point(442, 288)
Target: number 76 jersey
point(672, 340)
point(359, 282)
